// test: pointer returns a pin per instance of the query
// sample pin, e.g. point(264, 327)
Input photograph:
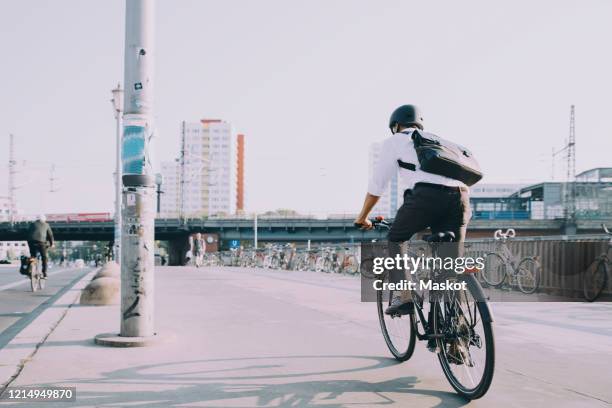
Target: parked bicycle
point(457, 324)
point(595, 277)
point(348, 262)
point(327, 261)
point(502, 265)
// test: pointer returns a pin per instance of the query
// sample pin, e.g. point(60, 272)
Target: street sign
point(234, 243)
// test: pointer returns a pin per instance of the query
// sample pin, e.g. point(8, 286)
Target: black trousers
point(37, 247)
point(430, 206)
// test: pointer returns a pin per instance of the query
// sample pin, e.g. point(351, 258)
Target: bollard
point(100, 292)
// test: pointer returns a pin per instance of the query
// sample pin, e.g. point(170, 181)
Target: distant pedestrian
point(199, 247)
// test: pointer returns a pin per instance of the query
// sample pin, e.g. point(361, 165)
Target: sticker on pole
point(134, 150)
point(133, 226)
point(131, 200)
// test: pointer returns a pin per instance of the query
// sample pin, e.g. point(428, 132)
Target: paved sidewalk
point(252, 338)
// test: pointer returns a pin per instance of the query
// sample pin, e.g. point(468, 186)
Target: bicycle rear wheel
point(494, 271)
point(595, 279)
point(528, 275)
point(467, 349)
point(399, 332)
point(34, 276)
point(41, 281)
point(351, 265)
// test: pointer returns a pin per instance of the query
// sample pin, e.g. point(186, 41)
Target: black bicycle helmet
point(406, 115)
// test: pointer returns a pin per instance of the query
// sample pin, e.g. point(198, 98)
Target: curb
point(21, 349)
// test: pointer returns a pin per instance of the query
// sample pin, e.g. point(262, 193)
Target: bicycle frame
point(508, 257)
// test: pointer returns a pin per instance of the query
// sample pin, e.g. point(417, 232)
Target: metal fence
point(563, 259)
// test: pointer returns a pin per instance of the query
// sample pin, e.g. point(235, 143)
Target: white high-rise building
point(388, 204)
point(169, 200)
point(203, 181)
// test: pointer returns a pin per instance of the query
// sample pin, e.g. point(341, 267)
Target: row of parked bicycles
point(329, 259)
point(503, 269)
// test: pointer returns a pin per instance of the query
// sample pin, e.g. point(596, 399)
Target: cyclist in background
point(40, 237)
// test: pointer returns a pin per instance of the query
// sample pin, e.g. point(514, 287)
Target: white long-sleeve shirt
point(400, 147)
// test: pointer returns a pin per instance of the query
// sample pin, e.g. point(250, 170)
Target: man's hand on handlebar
point(364, 224)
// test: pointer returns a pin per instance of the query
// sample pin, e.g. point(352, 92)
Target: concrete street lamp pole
point(138, 192)
point(138, 214)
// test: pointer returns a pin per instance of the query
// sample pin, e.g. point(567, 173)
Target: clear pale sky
point(310, 83)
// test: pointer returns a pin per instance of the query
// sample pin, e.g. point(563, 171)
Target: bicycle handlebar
point(377, 222)
point(499, 234)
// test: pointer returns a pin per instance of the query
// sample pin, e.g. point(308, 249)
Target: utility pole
point(11, 181)
point(182, 175)
point(570, 196)
point(52, 179)
point(158, 182)
point(138, 194)
point(552, 165)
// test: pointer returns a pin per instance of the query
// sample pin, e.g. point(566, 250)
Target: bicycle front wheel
point(595, 280)
point(528, 275)
point(399, 332)
point(465, 339)
point(494, 271)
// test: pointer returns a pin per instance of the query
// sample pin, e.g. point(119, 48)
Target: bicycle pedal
point(432, 346)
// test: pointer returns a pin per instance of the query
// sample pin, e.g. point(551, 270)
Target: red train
point(80, 217)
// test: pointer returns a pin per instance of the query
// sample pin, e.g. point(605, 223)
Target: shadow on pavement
point(295, 394)
point(179, 387)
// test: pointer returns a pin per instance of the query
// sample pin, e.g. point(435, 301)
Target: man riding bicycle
point(199, 247)
point(40, 237)
point(430, 200)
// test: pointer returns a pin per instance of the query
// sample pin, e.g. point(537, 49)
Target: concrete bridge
point(177, 231)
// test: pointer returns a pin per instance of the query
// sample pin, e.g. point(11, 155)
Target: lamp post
point(255, 243)
point(158, 181)
point(117, 102)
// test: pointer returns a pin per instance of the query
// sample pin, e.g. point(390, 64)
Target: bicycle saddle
point(446, 236)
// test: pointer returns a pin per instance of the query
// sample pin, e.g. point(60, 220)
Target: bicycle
point(503, 264)
point(348, 262)
point(327, 260)
point(595, 277)
point(451, 321)
point(37, 282)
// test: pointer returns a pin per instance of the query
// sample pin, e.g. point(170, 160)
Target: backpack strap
point(404, 165)
point(407, 166)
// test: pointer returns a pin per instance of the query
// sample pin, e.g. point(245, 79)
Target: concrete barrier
point(102, 291)
point(109, 270)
